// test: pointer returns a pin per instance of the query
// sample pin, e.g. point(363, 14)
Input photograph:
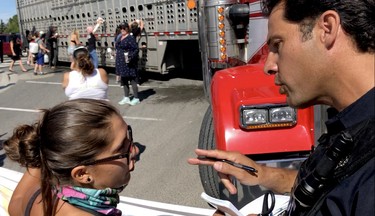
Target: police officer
point(320, 52)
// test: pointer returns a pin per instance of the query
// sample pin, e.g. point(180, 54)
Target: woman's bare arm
point(65, 81)
point(27, 186)
point(103, 75)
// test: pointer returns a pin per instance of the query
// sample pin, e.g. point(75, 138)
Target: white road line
point(142, 118)
point(55, 83)
point(111, 85)
point(36, 111)
point(20, 110)
point(41, 82)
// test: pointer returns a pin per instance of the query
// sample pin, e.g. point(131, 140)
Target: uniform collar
point(358, 111)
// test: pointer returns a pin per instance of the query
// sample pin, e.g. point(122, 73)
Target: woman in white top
point(84, 81)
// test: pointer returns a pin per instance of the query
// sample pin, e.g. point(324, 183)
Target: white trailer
point(170, 28)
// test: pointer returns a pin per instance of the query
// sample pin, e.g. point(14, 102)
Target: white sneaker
point(135, 101)
point(125, 100)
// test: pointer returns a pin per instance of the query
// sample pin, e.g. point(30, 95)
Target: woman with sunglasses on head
point(85, 81)
point(78, 157)
point(127, 64)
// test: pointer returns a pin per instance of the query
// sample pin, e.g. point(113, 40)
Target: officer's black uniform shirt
point(360, 110)
point(355, 194)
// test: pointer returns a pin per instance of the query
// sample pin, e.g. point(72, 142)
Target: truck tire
point(209, 177)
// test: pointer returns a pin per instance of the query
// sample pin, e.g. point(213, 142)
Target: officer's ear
point(329, 27)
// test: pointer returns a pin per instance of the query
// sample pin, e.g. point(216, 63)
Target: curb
point(9, 79)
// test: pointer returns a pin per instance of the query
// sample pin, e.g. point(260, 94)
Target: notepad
point(254, 207)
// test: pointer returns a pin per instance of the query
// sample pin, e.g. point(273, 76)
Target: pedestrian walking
point(15, 47)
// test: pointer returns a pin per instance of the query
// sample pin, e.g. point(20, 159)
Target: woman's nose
point(135, 151)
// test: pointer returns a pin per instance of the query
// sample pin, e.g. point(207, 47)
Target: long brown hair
point(67, 135)
point(82, 60)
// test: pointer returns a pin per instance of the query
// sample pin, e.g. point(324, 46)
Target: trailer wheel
point(209, 177)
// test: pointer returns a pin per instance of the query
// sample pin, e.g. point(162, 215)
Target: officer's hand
point(226, 170)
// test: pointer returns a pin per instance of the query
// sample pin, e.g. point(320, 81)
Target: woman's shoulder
point(72, 74)
point(65, 208)
point(102, 71)
point(103, 75)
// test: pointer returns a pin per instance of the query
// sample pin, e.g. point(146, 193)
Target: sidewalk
point(9, 79)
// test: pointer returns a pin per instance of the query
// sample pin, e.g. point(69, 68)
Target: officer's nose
point(270, 67)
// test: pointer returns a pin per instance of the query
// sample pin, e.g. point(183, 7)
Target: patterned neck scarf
point(103, 201)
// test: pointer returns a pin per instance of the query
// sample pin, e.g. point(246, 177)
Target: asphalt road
point(166, 123)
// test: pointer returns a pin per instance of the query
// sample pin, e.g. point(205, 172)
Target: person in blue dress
point(127, 63)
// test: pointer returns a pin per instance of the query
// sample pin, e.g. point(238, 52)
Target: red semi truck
point(247, 114)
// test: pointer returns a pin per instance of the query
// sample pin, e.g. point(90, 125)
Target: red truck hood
point(248, 85)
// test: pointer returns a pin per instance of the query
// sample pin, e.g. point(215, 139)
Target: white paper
point(254, 207)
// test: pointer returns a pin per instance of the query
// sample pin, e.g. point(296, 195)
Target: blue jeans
point(94, 58)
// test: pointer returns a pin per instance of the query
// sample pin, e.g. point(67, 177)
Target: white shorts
point(71, 50)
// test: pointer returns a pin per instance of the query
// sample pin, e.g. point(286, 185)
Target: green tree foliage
point(2, 26)
point(12, 25)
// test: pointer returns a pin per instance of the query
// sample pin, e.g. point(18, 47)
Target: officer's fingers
point(215, 153)
point(227, 182)
point(228, 169)
point(241, 175)
point(218, 213)
point(196, 161)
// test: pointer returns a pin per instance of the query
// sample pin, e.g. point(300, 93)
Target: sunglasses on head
point(80, 49)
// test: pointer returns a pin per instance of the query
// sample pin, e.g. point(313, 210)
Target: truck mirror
point(239, 16)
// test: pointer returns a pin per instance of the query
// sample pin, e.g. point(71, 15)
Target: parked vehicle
point(6, 38)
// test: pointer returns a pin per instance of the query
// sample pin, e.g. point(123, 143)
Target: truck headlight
point(255, 116)
point(271, 116)
point(282, 114)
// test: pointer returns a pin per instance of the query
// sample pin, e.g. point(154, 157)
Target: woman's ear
point(329, 24)
point(81, 175)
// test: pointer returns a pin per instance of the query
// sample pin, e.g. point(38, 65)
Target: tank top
point(33, 47)
point(91, 86)
point(31, 202)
